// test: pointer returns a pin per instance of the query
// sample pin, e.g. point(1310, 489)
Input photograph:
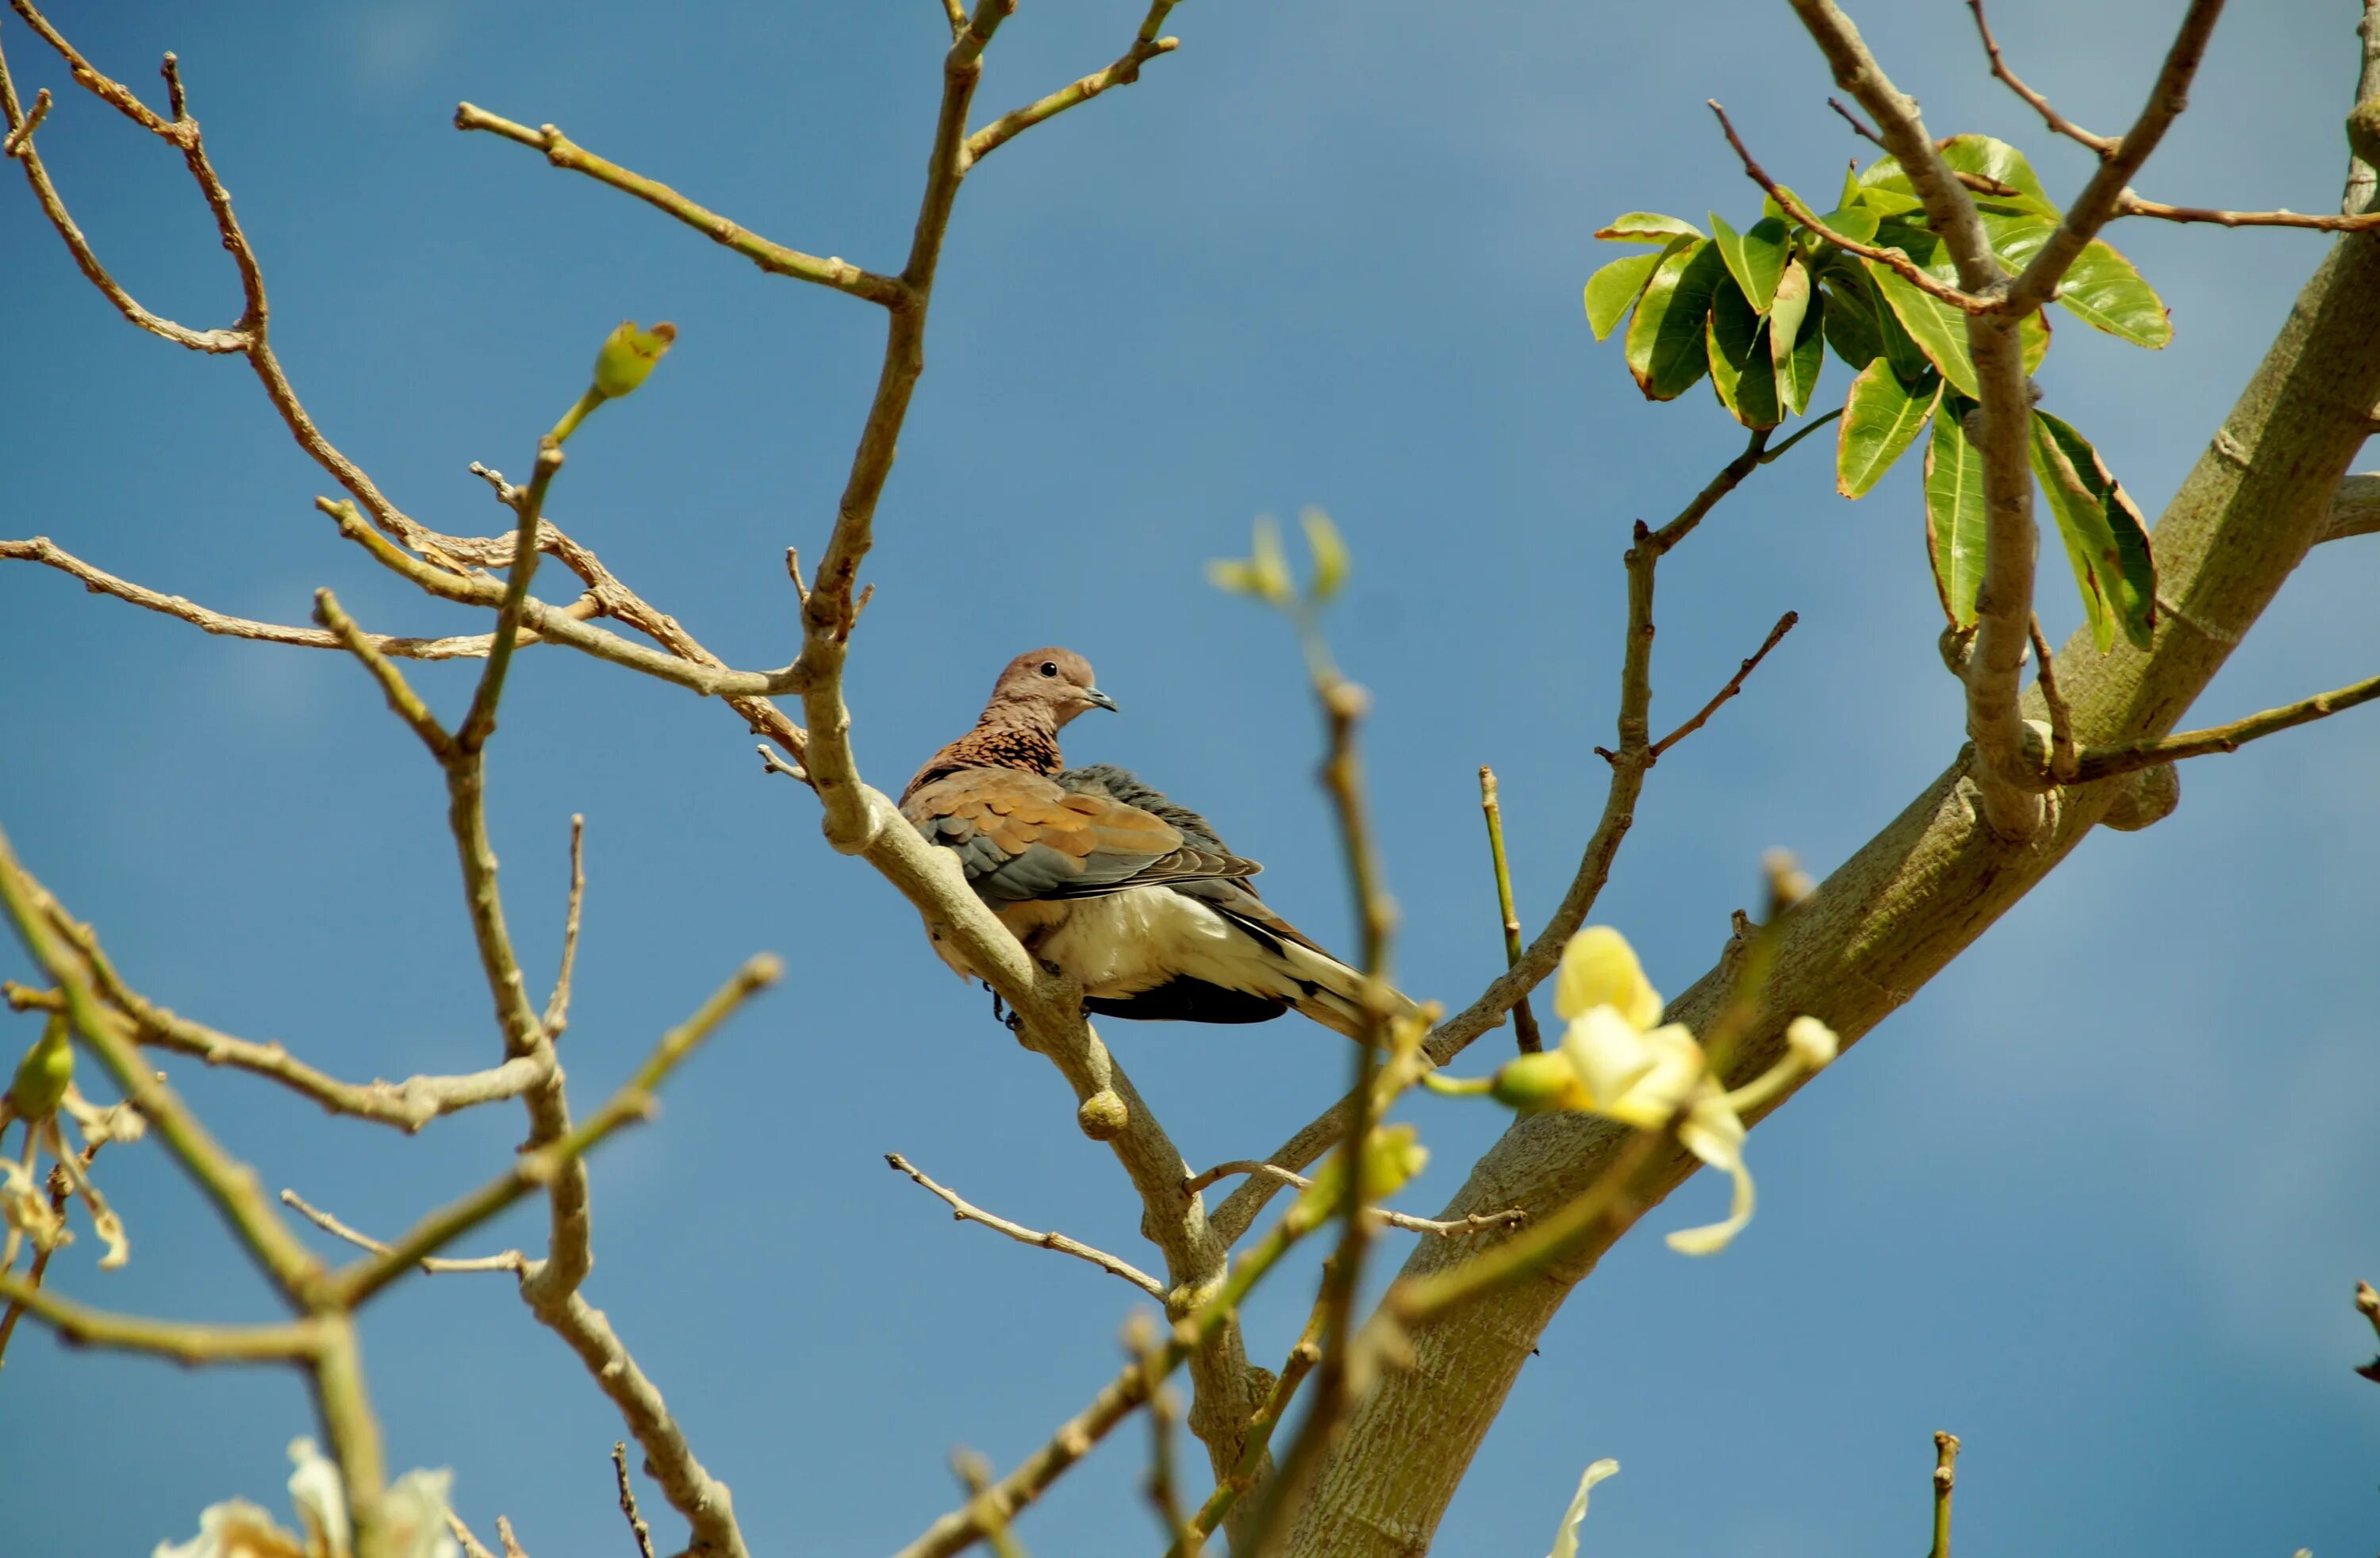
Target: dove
point(1104, 879)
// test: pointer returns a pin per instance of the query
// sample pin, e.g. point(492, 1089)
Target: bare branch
point(402, 701)
point(1734, 685)
point(557, 1006)
point(2061, 719)
point(1859, 126)
point(1471, 1224)
point(773, 257)
point(26, 127)
point(1629, 765)
point(964, 1212)
point(184, 1342)
point(537, 1167)
point(2129, 204)
point(1946, 1475)
point(40, 549)
point(472, 1546)
point(2105, 761)
point(1525, 1019)
point(2059, 122)
point(1145, 45)
point(2091, 210)
point(637, 1526)
point(511, 1260)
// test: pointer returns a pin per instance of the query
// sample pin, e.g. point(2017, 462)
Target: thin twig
point(1946, 1477)
point(1524, 1017)
point(2061, 719)
point(1231, 1489)
point(975, 1474)
point(773, 257)
point(644, 1533)
point(1161, 1484)
point(511, 1543)
point(964, 1211)
point(1901, 264)
point(10, 143)
point(1734, 685)
point(1629, 765)
point(185, 1342)
point(1145, 45)
point(536, 1168)
point(99, 581)
point(1859, 126)
point(2103, 763)
point(557, 1006)
point(511, 1260)
point(60, 1189)
point(2059, 122)
point(1474, 1222)
point(2129, 204)
point(472, 1546)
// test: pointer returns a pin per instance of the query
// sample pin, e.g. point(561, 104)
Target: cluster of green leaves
point(1760, 309)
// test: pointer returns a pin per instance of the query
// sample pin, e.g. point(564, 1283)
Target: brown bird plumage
point(1104, 878)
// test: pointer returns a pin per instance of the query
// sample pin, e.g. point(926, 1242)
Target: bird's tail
point(1315, 983)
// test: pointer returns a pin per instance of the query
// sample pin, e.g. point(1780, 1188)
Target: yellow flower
point(1615, 1062)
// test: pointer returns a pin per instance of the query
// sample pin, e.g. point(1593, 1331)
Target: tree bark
point(1911, 899)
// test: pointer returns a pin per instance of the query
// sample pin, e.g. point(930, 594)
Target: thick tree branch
point(1907, 903)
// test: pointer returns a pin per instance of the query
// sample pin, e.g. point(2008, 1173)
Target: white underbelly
point(1122, 944)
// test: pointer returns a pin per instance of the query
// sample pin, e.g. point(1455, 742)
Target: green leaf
point(1881, 418)
point(1755, 258)
point(1850, 184)
point(1851, 320)
point(1856, 223)
point(2033, 340)
point(2101, 288)
point(1954, 512)
point(2003, 163)
point(1646, 227)
point(2107, 541)
point(1667, 351)
point(1742, 370)
point(1797, 344)
point(2103, 291)
point(1939, 329)
point(1613, 290)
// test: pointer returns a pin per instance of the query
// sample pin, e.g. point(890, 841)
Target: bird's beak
point(1100, 699)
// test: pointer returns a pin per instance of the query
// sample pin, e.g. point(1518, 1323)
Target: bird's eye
point(1049, 668)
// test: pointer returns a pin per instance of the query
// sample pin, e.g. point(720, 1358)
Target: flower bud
point(43, 1074)
point(1330, 559)
point(628, 355)
point(1812, 1042)
point(1530, 1083)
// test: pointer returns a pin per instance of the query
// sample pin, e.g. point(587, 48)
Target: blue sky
point(2094, 1200)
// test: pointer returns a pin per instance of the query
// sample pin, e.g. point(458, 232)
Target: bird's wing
point(1020, 837)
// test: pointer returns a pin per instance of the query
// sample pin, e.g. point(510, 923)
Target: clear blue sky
point(2094, 1200)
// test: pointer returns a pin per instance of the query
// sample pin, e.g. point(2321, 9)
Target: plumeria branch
point(964, 1211)
point(2061, 718)
point(511, 1260)
point(1629, 765)
point(1145, 45)
point(2059, 122)
point(1386, 1216)
point(773, 257)
point(1946, 1477)
point(2106, 761)
point(1524, 1017)
point(183, 1340)
point(1734, 685)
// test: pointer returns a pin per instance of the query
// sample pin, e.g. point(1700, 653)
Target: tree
point(1882, 923)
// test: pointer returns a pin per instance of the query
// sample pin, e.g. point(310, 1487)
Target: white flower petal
point(234, 1529)
point(1566, 1535)
point(1610, 1055)
point(1713, 1133)
point(1664, 1086)
point(416, 1512)
point(1599, 968)
point(320, 1499)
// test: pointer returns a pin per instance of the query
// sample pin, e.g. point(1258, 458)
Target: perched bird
point(1104, 879)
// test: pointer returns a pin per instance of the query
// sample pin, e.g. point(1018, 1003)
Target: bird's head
point(1054, 681)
